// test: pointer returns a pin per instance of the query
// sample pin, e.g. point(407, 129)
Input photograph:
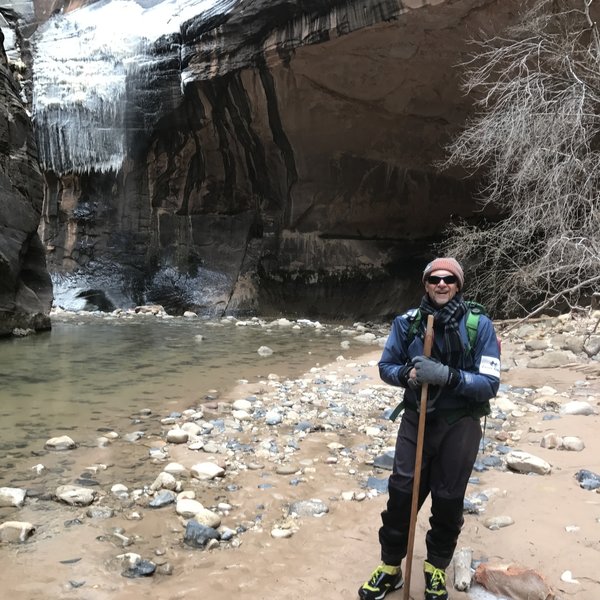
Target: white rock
point(281, 533)
point(188, 508)
point(175, 469)
point(189, 494)
point(241, 415)
point(373, 431)
point(242, 405)
point(75, 496)
point(504, 404)
point(572, 443)
point(462, 569)
point(192, 428)
point(551, 440)
point(12, 496)
point(164, 481)
point(208, 517)
point(577, 407)
point(177, 436)
point(527, 463)
point(265, 351)
point(63, 442)
point(207, 470)
point(15, 531)
point(567, 577)
point(498, 522)
point(366, 338)
point(273, 417)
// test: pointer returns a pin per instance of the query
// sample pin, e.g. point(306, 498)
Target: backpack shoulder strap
point(475, 310)
point(472, 326)
point(415, 318)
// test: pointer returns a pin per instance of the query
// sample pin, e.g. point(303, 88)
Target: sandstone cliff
point(262, 156)
point(25, 286)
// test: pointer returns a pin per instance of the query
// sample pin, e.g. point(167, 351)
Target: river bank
point(296, 486)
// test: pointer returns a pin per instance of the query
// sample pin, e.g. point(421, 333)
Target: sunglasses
point(447, 279)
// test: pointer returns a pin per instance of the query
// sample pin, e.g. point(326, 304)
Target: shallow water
point(95, 373)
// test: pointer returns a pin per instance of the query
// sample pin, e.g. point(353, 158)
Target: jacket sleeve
point(395, 363)
point(481, 382)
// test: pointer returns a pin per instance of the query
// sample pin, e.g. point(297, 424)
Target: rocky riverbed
point(273, 490)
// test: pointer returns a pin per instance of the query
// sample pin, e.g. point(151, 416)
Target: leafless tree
point(535, 138)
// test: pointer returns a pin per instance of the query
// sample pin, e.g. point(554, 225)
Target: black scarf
point(447, 320)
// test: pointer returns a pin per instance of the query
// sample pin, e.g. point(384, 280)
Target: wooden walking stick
point(428, 343)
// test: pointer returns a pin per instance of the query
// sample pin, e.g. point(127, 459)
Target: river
point(95, 372)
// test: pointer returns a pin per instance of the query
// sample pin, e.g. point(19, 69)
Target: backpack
point(474, 312)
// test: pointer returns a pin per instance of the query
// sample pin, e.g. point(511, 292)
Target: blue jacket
point(479, 371)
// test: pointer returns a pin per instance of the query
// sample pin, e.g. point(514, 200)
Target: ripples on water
point(92, 372)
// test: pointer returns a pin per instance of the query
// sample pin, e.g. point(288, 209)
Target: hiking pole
point(428, 343)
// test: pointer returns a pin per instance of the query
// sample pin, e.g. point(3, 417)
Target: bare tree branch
point(536, 137)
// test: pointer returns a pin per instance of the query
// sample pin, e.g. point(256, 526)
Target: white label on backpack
point(490, 365)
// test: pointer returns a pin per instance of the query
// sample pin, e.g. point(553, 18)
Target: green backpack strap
point(475, 311)
point(415, 323)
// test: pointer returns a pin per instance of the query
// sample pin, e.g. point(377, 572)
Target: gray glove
point(431, 371)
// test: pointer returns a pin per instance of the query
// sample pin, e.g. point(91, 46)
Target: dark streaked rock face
point(25, 286)
point(276, 157)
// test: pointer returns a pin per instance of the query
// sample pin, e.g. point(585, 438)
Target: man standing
point(461, 378)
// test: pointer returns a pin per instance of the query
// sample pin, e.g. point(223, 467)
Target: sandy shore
point(556, 522)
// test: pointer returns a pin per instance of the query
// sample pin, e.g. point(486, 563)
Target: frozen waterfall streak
point(418, 460)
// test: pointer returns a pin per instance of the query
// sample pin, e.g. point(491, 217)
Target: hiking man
point(462, 376)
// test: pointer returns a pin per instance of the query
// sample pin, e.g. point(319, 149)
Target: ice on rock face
point(23, 8)
point(81, 64)
point(16, 10)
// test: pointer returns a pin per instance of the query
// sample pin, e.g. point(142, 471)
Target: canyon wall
point(25, 286)
point(261, 157)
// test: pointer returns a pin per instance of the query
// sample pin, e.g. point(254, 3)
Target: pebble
point(187, 508)
point(206, 471)
point(63, 442)
point(16, 531)
point(524, 462)
point(308, 508)
point(577, 407)
point(12, 497)
point(494, 523)
point(75, 496)
point(281, 533)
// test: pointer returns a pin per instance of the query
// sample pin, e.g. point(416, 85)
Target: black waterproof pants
point(449, 452)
